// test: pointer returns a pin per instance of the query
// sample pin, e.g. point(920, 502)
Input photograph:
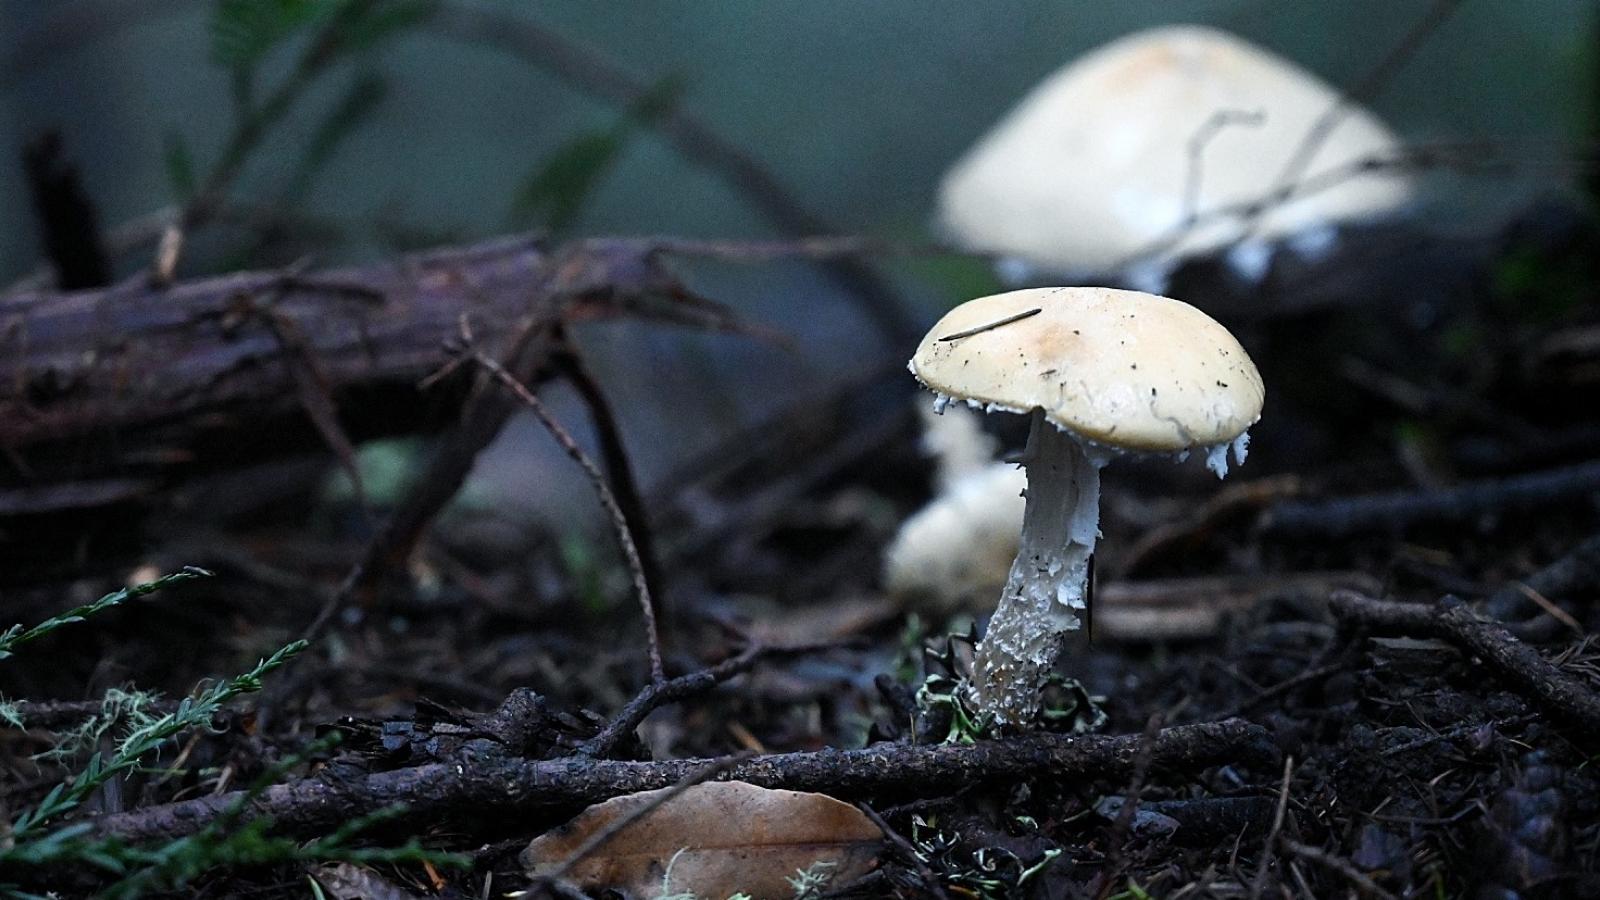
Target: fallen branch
point(1523, 667)
point(107, 395)
point(196, 374)
point(486, 778)
point(1395, 511)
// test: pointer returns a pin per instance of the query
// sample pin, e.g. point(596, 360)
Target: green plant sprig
point(177, 863)
point(17, 635)
point(195, 711)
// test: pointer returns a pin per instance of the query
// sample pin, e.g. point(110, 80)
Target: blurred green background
point(857, 107)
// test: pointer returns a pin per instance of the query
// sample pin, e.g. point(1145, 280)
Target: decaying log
point(134, 384)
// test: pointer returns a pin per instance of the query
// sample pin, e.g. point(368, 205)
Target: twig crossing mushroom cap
point(1122, 369)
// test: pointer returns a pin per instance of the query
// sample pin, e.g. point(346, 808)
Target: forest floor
point(1381, 737)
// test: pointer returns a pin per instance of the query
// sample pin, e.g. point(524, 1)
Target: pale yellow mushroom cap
point(1096, 162)
point(1122, 369)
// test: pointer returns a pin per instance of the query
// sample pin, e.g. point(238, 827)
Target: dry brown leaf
point(718, 839)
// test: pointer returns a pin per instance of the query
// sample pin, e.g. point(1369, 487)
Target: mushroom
point(957, 442)
point(1102, 373)
point(1108, 158)
point(944, 556)
point(952, 554)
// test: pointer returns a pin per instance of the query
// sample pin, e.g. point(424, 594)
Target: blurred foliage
point(243, 32)
point(355, 108)
point(1589, 130)
point(585, 571)
point(554, 193)
point(246, 36)
point(1535, 287)
point(958, 278)
point(274, 50)
point(179, 161)
point(1548, 279)
point(388, 468)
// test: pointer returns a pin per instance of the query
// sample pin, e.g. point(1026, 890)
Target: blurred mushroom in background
point(1168, 143)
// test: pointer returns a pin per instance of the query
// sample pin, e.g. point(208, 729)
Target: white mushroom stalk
point(1048, 587)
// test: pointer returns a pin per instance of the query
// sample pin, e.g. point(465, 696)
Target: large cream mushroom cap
point(1119, 369)
point(1093, 166)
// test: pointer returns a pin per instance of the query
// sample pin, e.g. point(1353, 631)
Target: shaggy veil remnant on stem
point(1101, 373)
point(1047, 590)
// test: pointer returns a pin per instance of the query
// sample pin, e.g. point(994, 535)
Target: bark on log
point(107, 394)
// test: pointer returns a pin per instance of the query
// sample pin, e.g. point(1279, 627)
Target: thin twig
point(1358, 879)
point(570, 363)
point(1025, 314)
point(930, 881)
point(1259, 883)
point(1520, 665)
point(818, 246)
point(311, 381)
point(1544, 603)
point(1202, 137)
point(619, 522)
point(1464, 156)
point(1284, 687)
point(659, 693)
point(482, 416)
point(1365, 90)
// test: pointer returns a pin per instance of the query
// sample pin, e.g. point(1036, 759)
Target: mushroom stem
point(1048, 585)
